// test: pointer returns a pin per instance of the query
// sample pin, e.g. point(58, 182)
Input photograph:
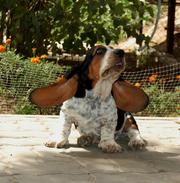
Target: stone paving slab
point(24, 158)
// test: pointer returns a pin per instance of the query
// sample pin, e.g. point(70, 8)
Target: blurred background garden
point(40, 40)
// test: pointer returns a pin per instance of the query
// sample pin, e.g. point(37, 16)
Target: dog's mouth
point(119, 65)
point(116, 68)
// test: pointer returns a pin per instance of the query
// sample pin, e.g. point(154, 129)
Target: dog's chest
point(90, 109)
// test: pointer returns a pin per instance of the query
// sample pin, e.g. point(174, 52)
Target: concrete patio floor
point(24, 159)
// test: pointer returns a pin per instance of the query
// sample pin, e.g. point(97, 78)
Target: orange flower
point(178, 77)
point(2, 48)
point(153, 78)
point(34, 49)
point(8, 41)
point(35, 60)
point(137, 84)
point(44, 56)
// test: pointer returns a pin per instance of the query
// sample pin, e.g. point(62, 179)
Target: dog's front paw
point(137, 143)
point(84, 140)
point(56, 144)
point(110, 146)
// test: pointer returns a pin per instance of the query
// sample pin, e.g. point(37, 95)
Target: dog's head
point(98, 72)
point(105, 63)
point(101, 67)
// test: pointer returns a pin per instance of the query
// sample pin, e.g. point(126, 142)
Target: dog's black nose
point(119, 52)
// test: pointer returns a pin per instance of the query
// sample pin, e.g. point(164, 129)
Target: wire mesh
point(162, 84)
point(18, 77)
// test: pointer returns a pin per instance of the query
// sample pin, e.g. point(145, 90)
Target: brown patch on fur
point(94, 70)
point(130, 123)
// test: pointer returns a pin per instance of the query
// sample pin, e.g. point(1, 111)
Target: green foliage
point(145, 58)
point(75, 24)
point(25, 107)
point(162, 102)
point(18, 76)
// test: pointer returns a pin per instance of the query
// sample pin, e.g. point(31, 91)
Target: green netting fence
point(18, 76)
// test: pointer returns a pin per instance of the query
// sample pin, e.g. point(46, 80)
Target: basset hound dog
point(96, 100)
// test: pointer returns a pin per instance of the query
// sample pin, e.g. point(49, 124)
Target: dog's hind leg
point(87, 140)
point(131, 127)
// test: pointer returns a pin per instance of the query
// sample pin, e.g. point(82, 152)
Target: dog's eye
point(100, 51)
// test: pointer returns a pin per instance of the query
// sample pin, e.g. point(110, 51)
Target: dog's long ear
point(128, 97)
point(74, 84)
point(55, 94)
